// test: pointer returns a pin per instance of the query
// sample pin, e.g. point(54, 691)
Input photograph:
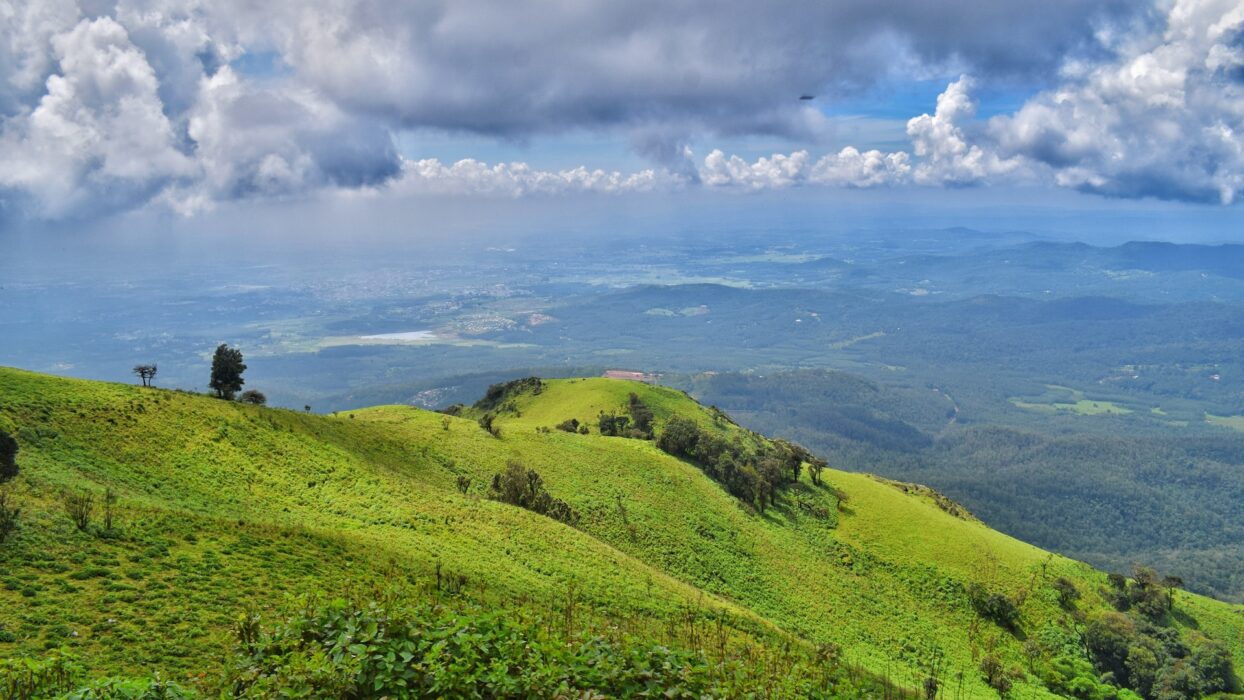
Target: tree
point(680, 438)
point(227, 369)
point(253, 396)
point(8, 457)
point(146, 373)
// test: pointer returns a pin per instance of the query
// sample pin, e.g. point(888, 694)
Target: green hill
point(223, 509)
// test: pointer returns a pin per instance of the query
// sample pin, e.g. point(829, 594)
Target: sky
point(181, 114)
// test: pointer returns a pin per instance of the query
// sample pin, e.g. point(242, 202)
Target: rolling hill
point(856, 586)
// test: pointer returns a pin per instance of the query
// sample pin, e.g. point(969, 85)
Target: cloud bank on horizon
point(114, 105)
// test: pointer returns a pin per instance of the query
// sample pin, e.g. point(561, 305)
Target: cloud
point(112, 104)
point(946, 156)
point(471, 177)
point(531, 66)
point(260, 141)
point(1164, 119)
point(99, 132)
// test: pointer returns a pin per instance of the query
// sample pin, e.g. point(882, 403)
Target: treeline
point(755, 477)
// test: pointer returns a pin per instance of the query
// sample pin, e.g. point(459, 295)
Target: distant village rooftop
point(631, 375)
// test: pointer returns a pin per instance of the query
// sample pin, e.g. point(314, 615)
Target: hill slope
point(223, 506)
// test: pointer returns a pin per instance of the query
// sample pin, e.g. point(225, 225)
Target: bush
point(488, 423)
point(345, 651)
point(995, 607)
point(523, 487)
point(130, 689)
point(79, 505)
point(26, 679)
point(9, 514)
point(253, 396)
point(570, 425)
point(8, 457)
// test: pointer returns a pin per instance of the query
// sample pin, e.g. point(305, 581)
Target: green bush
point(523, 487)
point(26, 679)
point(130, 689)
point(340, 650)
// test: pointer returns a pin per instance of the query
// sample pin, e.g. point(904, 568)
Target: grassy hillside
point(224, 507)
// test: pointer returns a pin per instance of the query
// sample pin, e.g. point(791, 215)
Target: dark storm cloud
point(517, 66)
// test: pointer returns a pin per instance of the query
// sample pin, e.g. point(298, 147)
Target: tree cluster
point(498, 395)
point(754, 477)
point(1155, 661)
point(1144, 592)
point(638, 423)
point(523, 487)
point(146, 373)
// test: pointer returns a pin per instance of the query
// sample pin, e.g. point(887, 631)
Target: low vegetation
point(847, 587)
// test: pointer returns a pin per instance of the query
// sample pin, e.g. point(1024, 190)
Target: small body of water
point(408, 335)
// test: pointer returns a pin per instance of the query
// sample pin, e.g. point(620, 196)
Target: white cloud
point(99, 131)
point(257, 141)
point(138, 102)
point(775, 172)
point(946, 156)
point(466, 177)
point(852, 168)
point(1164, 119)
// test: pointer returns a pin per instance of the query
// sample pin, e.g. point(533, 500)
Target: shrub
point(488, 423)
point(8, 457)
point(130, 689)
point(570, 425)
point(110, 504)
point(26, 679)
point(995, 607)
point(9, 514)
point(464, 484)
point(1068, 594)
point(523, 487)
point(612, 425)
point(253, 396)
point(996, 674)
point(79, 505)
point(341, 650)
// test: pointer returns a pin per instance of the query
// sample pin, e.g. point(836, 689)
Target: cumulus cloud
point(251, 140)
point(468, 177)
point(99, 131)
point(938, 139)
point(1164, 119)
point(115, 103)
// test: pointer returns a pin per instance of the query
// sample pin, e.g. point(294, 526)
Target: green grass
point(1233, 422)
point(224, 506)
point(1055, 400)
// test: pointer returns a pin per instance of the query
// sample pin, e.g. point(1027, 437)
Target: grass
point(1233, 422)
point(224, 506)
point(1055, 400)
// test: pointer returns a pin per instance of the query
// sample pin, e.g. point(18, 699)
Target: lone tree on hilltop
point(146, 373)
point(227, 369)
point(8, 457)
